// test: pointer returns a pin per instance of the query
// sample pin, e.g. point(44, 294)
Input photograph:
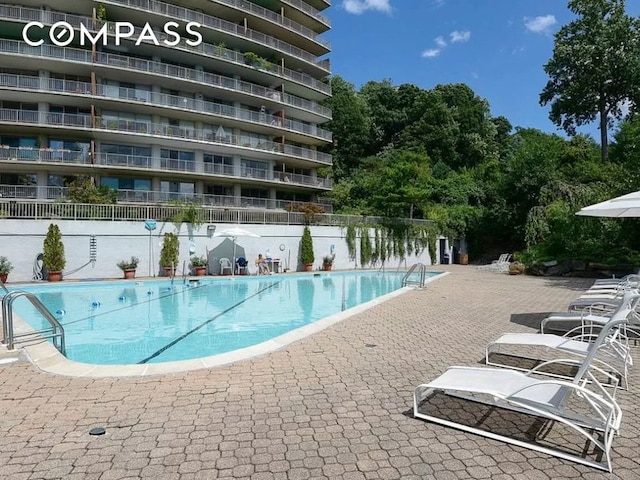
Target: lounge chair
point(550, 399)
point(595, 312)
point(501, 265)
point(613, 356)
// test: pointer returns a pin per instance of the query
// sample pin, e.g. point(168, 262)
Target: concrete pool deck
point(335, 405)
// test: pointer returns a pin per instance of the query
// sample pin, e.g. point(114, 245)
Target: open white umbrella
point(620, 207)
point(233, 233)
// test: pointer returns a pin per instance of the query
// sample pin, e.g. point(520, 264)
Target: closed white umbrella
point(233, 233)
point(626, 206)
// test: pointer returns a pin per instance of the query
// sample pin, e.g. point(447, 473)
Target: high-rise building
point(214, 100)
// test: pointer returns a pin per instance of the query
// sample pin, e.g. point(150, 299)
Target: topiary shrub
point(306, 249)
point(170, 250)
point(53, 250)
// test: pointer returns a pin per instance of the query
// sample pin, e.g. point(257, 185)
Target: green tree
point(595, 68)
point(84, 190)
point(349, 127)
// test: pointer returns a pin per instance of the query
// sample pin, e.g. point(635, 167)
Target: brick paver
point(336, 405)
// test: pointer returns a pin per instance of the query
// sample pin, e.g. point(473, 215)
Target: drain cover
point(370, 345)
point(97, 431)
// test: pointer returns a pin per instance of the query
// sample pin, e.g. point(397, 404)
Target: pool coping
point(47, 358)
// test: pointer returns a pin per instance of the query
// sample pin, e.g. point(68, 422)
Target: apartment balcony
point(306, 109)
point(33, 192)
point(241, 115)
point(208, 51)
point(301, 58)
point(232, 142)
point(303, 12)
point(268, 20)
point(29, 156)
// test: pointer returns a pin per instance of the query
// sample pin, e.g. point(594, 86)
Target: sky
point(496, 47)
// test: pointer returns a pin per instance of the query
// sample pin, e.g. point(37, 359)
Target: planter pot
point(3, 277)
point(200, 271)
point(54, 276)
point(327, 267)
point(308, 267)
point(129, 274)
point(168, 272)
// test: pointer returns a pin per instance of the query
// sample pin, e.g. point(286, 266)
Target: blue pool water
point(151, 321)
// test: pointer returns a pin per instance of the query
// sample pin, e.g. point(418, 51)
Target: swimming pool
point(153, 321)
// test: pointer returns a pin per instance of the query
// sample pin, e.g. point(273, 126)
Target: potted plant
point(53, 254)
point(306, 250)
point(5, 269)
point(199, 265)
point(516, 268)
point(327, 262)
point(169, 253)
point(129, 267)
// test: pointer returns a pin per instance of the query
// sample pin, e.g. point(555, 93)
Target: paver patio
point(336, 405)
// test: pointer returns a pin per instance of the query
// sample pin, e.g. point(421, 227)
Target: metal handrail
point(10, 339)
point(422, 270)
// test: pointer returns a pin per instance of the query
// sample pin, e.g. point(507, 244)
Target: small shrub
point(131, 264)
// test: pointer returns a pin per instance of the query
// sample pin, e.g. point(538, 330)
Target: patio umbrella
point(620, 207)
point(233, 233)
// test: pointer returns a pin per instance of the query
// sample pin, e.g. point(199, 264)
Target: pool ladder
point(422, 271)
point(55, 332)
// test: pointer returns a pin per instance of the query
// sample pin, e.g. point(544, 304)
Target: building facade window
point(218, 164)
point(254, 169)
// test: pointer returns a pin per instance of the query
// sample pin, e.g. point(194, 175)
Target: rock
point(551, 263)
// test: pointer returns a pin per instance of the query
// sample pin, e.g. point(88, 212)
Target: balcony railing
point(184, 103)
point(33, 192)
point(177, 12)
point(187, 133)
point(49, 17)
point(309, 10)
point(158, 129)
point(272, 16)
point(159, 68)
point(71, 157)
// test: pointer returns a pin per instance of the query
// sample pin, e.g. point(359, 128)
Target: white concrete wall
point(21, 241)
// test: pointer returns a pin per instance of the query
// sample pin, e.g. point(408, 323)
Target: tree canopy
point(595, 68)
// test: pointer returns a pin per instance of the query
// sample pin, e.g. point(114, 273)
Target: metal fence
point(38, 210)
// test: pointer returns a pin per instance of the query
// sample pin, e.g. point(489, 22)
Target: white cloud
point(441, 42)
point(360, 6)
point(458, 36)
point(431, 53)
point(540, 24)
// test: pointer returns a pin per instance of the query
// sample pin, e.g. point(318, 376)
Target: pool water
point(137, 322)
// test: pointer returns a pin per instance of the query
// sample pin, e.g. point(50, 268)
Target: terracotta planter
point(3, 277)
point(129, 273)
point(55, 276)
point(327, 267)
point(308, 267)
point(200, 271)
point(168, 271)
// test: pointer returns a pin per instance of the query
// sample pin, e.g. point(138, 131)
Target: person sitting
point(263, 267)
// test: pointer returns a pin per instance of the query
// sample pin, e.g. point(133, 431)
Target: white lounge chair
point(551, 399)
point(614, 354)
point(500, 266)
point(595, 313)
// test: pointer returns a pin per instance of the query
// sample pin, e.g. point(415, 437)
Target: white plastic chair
point(225, 264)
